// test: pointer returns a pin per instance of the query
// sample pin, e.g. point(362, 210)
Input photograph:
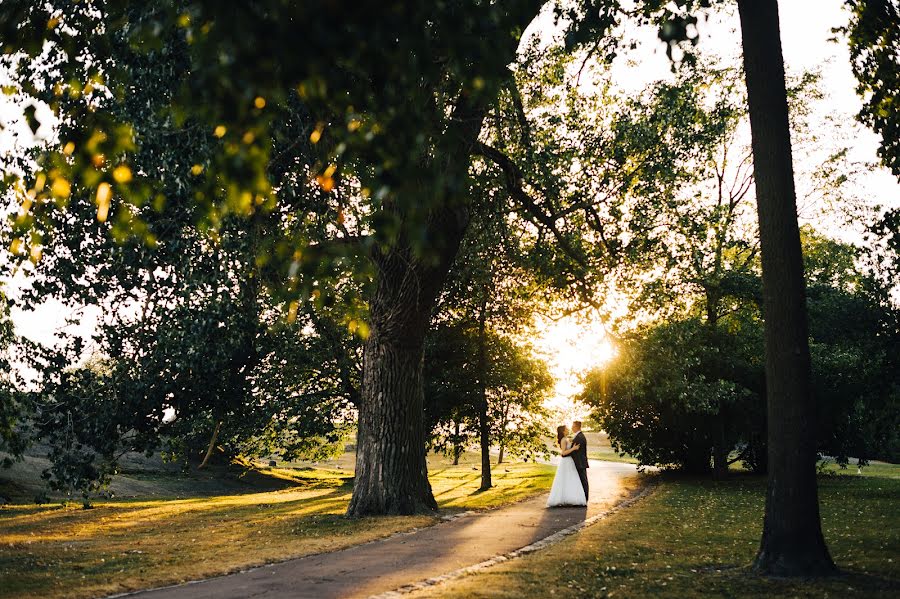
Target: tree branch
point(514, 180)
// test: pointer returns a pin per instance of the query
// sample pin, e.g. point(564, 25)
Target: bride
point(566, 489)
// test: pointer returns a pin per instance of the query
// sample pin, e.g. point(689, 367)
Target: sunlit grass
point(120, 545)
point(696, 538)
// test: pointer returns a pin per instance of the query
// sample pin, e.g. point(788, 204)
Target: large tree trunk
point(391, 471)
point(792, 541)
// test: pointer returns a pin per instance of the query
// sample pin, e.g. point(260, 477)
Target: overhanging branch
point(514, 185)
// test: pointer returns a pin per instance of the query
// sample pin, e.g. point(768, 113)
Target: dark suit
point(581, 460)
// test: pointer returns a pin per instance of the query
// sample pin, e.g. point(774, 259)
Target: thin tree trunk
point(503, 434)
point(792, 542)
point(720, 451)
point(457, 446)
point(483, 422)
point(212, 444)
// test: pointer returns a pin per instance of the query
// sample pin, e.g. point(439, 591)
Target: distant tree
point(854, 324)
point(197, 338)
point(678, 390)
point(14, 403)
point(451, 399)
point(488, 300)
point(519, 386)
point(515, 387)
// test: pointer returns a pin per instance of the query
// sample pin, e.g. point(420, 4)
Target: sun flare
point(572, 346)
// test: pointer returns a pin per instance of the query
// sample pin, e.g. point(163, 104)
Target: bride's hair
point(560, 433)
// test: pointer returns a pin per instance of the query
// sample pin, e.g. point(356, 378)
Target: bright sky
point(574, 345)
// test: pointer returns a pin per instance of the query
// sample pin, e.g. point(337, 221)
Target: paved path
point(382, 566)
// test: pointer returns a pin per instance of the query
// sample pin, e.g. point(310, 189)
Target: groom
point(580, 456)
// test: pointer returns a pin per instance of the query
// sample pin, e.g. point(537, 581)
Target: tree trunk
point(720, 451)
point(391, 471)
point(212, 444)
point(792, 542)
point(483, 422)
point(502, 450)
point(457, 446)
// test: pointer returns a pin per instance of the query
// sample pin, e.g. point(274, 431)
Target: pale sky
point(574, 346)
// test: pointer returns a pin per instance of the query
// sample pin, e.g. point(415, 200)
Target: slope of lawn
point(695, 538)
point(125, 544)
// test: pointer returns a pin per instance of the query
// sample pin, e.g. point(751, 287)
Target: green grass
point(609, 455)
point(599, 448)
point(126, 544)
point(696, 538)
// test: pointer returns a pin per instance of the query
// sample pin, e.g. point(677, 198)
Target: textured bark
point(391, 471)
point(792, 542)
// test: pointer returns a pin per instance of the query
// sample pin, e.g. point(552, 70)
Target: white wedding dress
point(566, 489)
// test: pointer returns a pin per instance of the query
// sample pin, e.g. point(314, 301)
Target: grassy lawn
point(695, 538)
point(599, 448)
point(126, 544)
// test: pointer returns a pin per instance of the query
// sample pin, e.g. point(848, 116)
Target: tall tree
point(13, 408)
point(792, 541)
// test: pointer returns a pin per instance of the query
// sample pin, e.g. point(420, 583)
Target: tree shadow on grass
point(842, 582)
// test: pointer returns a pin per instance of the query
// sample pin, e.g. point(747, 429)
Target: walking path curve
point(410, 560)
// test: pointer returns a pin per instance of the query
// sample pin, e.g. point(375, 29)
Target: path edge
point(536, 546)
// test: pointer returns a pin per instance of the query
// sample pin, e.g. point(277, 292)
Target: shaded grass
point(696, 538)
point(121, 545)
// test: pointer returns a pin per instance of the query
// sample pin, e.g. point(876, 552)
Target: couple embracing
point(570, 486)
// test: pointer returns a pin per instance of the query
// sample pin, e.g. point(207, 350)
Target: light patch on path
point(407, 562)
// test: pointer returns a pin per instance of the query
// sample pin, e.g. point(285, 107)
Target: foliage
point(854, 324)
point(198, 339)
point(516, 386)
point(677, 385)
point(673, 389)
point(873, 39)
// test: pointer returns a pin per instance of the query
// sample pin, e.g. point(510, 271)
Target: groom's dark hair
point(576, 423)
